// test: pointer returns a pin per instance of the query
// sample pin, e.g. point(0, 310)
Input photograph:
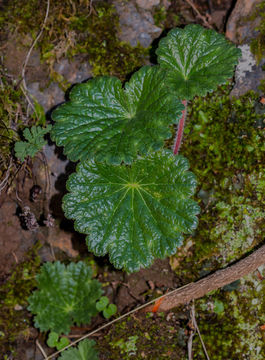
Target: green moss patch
point(151, 337)
point(77, 27)
point(14, 319)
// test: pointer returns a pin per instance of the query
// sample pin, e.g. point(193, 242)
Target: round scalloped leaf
point(65, 295)
point(103, 121)
point(135, 213)
point(197, 59)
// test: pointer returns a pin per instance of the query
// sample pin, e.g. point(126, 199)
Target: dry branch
point(212, 282)
point(190, 291)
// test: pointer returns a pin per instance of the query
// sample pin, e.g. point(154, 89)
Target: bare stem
point(213, 282)
point(180, 128)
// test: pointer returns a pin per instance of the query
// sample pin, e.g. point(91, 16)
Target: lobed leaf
point(85, 351)
point(65, 295)
point(135, 213)
point(103, 121)
point(34, 143)
point(197, 60)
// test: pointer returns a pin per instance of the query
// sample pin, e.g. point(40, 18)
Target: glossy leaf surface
point(84, 351)
point(197, 60)
point(135, 213)
point(65, 295)
point(103, 121)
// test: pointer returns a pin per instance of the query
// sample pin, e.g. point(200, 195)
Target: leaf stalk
point(181, 125)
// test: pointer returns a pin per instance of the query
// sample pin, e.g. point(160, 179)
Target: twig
point(29, 54)
point(200, 16)
point(214, 281)
point(198, 330)
point(5, 180)
point(13, 177)
point(189, 346)
point(15, 257)
point(192, 290)
point(41, 349)
point(110, 323)
point(90, 7)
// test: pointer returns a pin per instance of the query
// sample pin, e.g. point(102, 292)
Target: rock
point(75, 71)
point(147, 4)
point(248, 73)
point(47, 98)
point(136, 25)
point(218, 18)
point(240, 27)
point(14, 57)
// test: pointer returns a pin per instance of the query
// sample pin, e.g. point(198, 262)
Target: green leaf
point(197, 60)
point(34, 143)
point(218, 307)
point(103, 121)
point(52, 339)
point(135, 213)
point(62, 343)
point(102, 303)
point(85, 351)
point(65, 295)
point(109, 311)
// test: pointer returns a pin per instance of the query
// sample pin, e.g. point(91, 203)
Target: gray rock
point(75, 71)
point(241, 29)
point(240, 26)
point(248, 73)
point(47, 98)
point(147, 4)
point(136, 25)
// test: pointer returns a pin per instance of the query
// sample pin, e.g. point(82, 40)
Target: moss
point(227, 135)
point(224, 142)
point(236, 331)
point(11, 118)
point(262, 85)
point(150, 338)
point(160, 16)
point(257, 45)
point(75, 29)
point(15, 320)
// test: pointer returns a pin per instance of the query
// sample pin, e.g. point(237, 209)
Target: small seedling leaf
point(102, 303)
point(109, 311)
point(62, 343)
point(52, 339)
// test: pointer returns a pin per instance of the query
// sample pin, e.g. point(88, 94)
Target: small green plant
point(130, 196)
point(34, 143)
point(218, 306)
point(54, 341)
point(128, 347)
point(65, 295)
point(104, 306)
point(84, 351)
